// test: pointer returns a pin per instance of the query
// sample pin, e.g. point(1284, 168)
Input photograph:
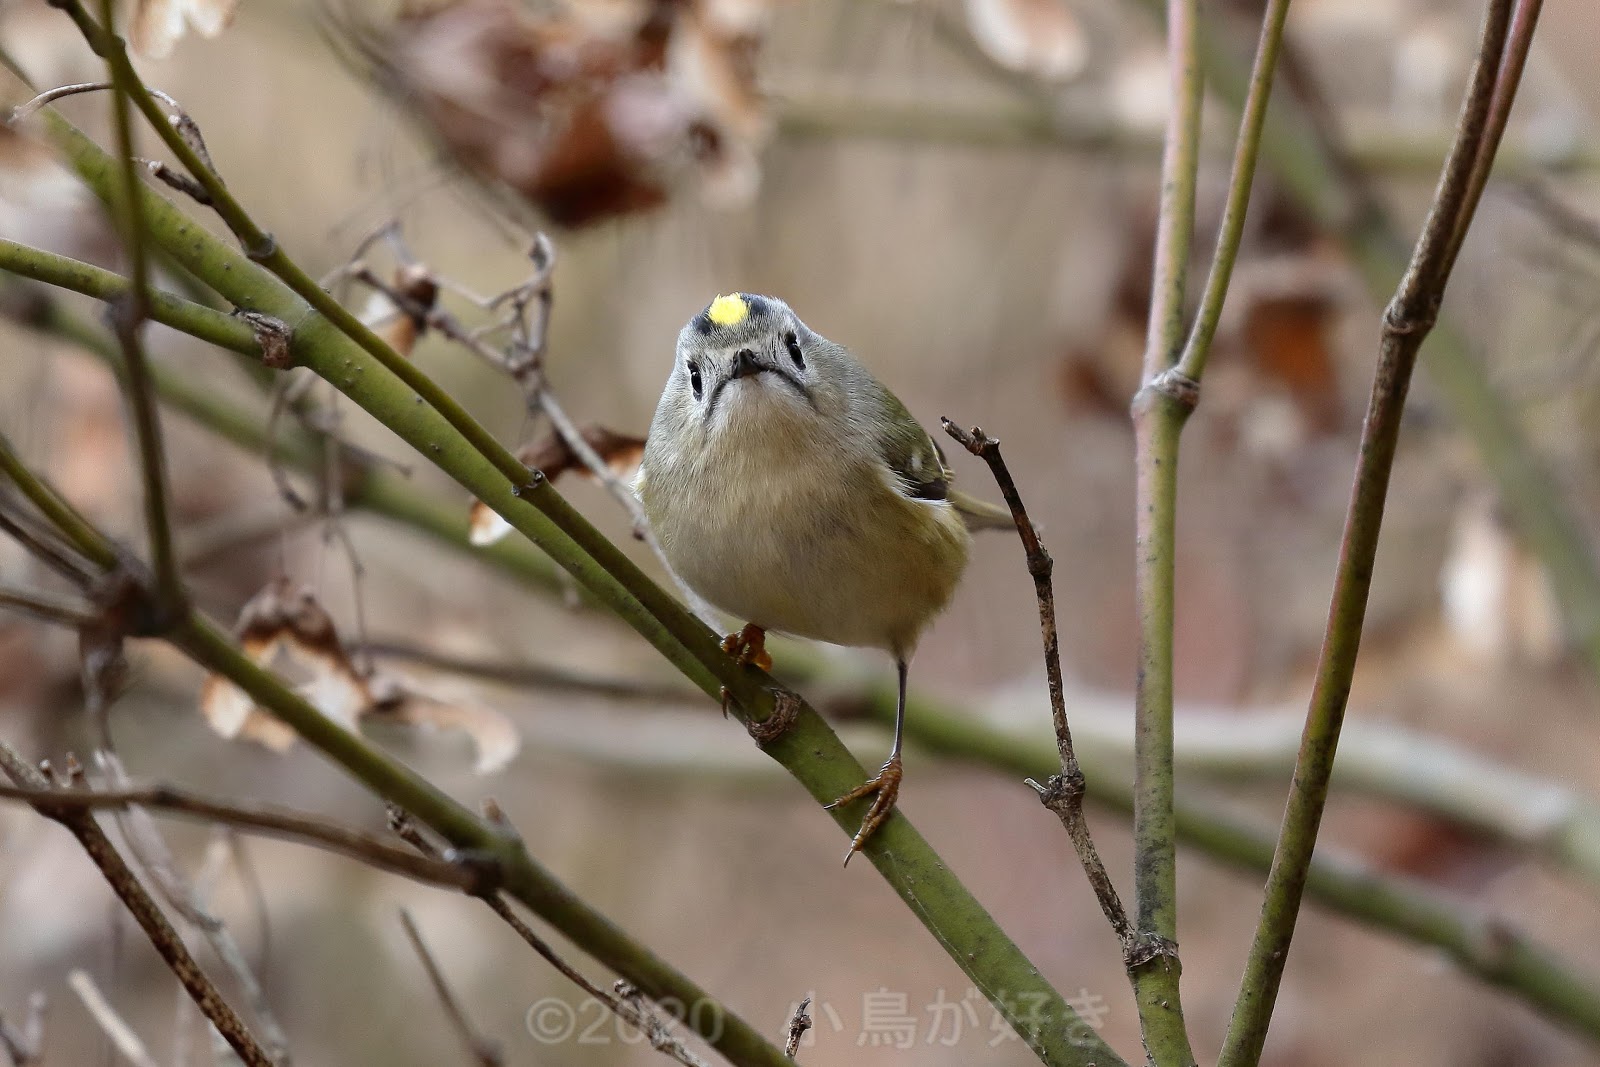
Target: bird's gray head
point(747, 359)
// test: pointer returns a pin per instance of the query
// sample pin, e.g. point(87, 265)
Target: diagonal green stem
point(84, 537)
point(1192, 363)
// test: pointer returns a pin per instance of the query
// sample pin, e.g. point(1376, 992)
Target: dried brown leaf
point(1291, 337)
point(550, 456)
point(485, 526)
point(233, 714)
point(1038, 37)
point(403, 324)
point(158, 25)
point(595, 112)
point(494, 737)
point(284, 623)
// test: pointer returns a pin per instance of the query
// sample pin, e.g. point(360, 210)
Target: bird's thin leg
point(885, 788)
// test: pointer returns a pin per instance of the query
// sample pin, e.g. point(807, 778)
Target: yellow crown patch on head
point(728, 310)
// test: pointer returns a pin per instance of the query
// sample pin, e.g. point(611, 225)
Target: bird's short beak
point(744, 365)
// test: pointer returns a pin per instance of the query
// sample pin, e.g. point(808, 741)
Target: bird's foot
point(749, 647)
point(884, 790)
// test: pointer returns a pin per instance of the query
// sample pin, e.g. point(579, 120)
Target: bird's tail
point(980, 514)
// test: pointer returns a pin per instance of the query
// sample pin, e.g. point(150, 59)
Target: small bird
point(791, 489)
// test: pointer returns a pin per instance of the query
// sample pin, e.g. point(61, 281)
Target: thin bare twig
point(532, 675)
point(1063, 793)
point(42, 541)
point(217, 854)
point(1559, 215)
point(632, 1009)
point(53, 507)
point(44, 607)
point(1406, 321)
point(1519, 39)
point(484, 1051)
point(50, 96)
point(121, 1035)
point(1197, 348)
point(282, 823)
point(527, 318)
point(125, 884)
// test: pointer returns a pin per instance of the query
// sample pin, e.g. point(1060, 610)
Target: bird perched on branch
point(791, 489)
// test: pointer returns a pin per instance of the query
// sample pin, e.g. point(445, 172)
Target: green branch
point(128, 316)
point(84, 537)
point(1159, 411)
point(1192, 363)
point(1406, 322)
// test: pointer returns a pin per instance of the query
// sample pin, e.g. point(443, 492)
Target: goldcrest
point(791, 489)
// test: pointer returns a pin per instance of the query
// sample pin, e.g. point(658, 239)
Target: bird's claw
point(749, 647)
point(885, 791)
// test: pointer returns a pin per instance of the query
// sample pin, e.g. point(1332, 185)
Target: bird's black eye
point(792, 343)
point(694, 379)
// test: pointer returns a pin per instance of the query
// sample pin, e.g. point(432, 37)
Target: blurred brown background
point(995, 284)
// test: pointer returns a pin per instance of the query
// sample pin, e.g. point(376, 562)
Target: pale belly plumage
point(811, 546)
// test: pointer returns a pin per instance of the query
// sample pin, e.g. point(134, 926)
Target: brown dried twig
point(166, 941)
point(267, 820)
point(143, 839)
point(1063, 793)
point(528, 675)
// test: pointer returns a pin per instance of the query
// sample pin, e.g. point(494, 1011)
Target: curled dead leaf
point(284, 626)
point(158, 25)
point(591, 113)
point(405, 700)
point(551, 456)
point(233, 714)
point(1038, 37)
point(403, 324)
point(485, 526)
